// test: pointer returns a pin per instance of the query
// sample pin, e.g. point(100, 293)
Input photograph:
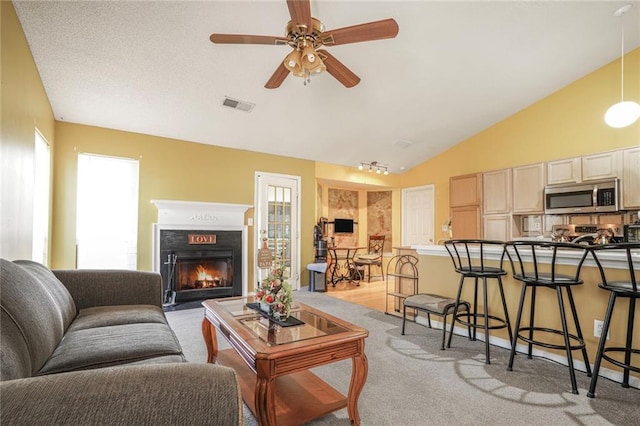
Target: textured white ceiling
point(454, 69)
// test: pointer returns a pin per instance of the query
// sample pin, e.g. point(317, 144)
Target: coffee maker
point(319, 242)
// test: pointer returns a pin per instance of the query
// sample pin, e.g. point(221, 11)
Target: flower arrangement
point(275, 293)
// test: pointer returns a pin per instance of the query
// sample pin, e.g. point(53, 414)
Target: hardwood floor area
point(372, 295)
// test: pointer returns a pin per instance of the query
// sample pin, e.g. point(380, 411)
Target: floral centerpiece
point(274, 294)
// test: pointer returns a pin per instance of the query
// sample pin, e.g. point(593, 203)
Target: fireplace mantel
point(172, 212)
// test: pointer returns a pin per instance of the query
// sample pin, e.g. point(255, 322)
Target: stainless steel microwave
point(587, 197)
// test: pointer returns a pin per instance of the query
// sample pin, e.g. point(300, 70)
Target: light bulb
point(378, 171)
point(360, 167)
point(622, 114)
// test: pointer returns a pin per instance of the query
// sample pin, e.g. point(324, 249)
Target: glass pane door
point(279, 226)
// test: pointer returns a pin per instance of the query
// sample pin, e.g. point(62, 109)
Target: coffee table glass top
point(273, 334)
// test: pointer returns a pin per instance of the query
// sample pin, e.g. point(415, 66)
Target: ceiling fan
point(306, 35)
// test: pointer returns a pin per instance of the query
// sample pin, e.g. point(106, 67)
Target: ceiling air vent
point(401, 143)
point(236, 104)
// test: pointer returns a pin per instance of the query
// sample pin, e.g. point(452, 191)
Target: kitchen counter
point(437, 276)
point(568, 257)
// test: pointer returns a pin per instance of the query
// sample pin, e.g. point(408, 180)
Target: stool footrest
point(503, 322)
point(573, 337)
point(620, 363)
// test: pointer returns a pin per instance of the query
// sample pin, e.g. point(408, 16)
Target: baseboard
point(578, 364)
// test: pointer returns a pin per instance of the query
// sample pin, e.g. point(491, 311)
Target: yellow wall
point(568, 123)
point(170, 170)
point(24, 107)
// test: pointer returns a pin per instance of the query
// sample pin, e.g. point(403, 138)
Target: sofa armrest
point(93, 287)
point(160, 394)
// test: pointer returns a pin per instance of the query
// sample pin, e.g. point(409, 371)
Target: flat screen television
point(343, 226)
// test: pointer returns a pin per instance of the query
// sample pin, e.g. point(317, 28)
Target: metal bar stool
point(534, 265)
point(627, 287)
point(469, 259)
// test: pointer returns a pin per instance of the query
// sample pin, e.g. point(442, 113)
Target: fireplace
point(200, 249)
point(201, 265)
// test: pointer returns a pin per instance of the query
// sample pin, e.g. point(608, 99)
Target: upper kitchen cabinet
point(631, 178)
point(496, 192)
point(601, 166)
point(528, 188)
point(564, 171)
point(465, 190)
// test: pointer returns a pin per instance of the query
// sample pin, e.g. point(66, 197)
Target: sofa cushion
point(58, 291)
point(111, 345)
point(103, 316)
point(14, 353)
point(34, 311)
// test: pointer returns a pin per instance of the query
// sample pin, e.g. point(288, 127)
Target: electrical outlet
point(597, 328)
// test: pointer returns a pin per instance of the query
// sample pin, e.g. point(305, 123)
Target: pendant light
point(624, 113)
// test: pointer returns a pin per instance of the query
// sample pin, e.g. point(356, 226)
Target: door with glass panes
point(277, 223)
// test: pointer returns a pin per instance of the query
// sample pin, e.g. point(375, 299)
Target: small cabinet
point(631, 178)
point(497, 227)
point(528, 188)
point(402, 282)
point(465, 222)
point(564, 171)
point(601, 166)
point(465, 190)
point(496, 192)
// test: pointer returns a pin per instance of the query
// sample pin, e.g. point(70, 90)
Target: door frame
point(295, 233)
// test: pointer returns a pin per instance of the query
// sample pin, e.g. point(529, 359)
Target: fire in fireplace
point(198, 273)
point(200, 265)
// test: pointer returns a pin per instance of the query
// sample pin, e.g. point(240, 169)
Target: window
point(107, 212)
point(41, 194)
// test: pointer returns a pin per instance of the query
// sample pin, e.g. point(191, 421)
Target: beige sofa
point(94, 347)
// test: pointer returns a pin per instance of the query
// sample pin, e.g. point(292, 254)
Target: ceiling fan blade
point(300, 11)
point(337, 69)
point(387, 28)
point(278, 77)
point(246, 39)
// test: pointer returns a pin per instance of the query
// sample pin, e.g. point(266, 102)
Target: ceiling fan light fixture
point(309, 54)
point(292, 61)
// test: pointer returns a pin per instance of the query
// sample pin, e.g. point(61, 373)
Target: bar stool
point(534, 265)
point(627, 287)
point(469, 259)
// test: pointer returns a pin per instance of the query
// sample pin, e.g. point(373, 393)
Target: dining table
point(342, 265)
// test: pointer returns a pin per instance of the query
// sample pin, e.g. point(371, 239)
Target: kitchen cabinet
point(601, 166)
point(465, 190)
point(528, 184)
point(496, 192)
point(497, 227)
point(465, 222)
point(631, 178)
point(567, 170)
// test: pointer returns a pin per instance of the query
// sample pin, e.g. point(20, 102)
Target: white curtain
point(107, 212)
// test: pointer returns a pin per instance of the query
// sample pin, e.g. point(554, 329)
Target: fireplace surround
point(200, 249)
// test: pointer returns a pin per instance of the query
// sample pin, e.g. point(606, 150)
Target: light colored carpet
point(412, 382)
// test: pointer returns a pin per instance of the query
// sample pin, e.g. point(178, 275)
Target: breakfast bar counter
point(438, 276)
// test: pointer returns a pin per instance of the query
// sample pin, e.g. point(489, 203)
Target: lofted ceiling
point(454, 69)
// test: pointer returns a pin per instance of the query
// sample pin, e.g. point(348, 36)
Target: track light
point(374, 167)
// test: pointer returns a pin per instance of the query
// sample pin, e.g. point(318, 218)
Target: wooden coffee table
point(272, 362)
